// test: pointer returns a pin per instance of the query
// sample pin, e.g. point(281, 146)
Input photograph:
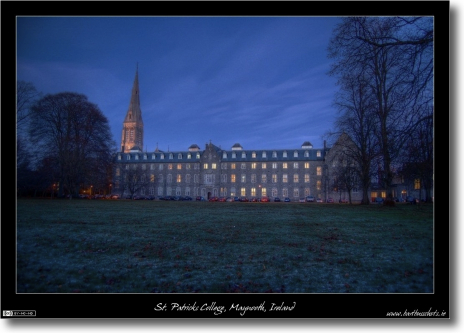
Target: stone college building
point(296, 172)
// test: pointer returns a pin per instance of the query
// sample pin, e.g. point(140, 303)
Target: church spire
point(132, 132)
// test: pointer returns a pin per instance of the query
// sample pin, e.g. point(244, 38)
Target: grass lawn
point(123, 246)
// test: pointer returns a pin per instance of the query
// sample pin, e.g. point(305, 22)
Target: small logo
point(19, 313)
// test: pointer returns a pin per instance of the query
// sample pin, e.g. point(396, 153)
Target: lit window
point(169, 166)
point(152, 178)
point(295, 178)
point(253, 191)
point(306, 179)
point(296, 192)
point(264, 165)
point(318, 185)
point(383, 194)
point(295, 165)
point(243, 179)
point(205, 166)
point(213, 166)
point(253, 165)
point(232, 178)
point(232, 166)
point(263, 192)
point(306, 165)
point(274, 178)
point(253, 155)
point(232, 192)
point(285, 178)
point(284, 165)
point(318, 153)
point(189, 156)
point(417, 184)
point(319, 171)
point(179, 178)
point(243, 191)
point(179, 166)
point(274, 165)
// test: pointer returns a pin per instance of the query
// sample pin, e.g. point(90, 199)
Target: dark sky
point(258, 81)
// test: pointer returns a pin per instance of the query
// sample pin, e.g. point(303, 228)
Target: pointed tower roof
point(134, 113)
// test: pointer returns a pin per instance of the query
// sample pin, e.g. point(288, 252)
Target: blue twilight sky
point(258, 81)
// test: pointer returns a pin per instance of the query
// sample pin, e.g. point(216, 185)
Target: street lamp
point(110, 188)
point(91, 191)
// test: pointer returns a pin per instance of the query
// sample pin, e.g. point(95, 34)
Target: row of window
point(224, 166)
point(210, 178)
point(224, 154)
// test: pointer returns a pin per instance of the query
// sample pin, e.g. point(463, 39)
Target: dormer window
point(119, 157)
point(189, 156)
point(243, 155)
point(224, 155)
point(318, 153)
point(295, 154)
point(264, 154)
point(162, 156)
point(253, 155)
point(179, 156)
point(128, 157)
point(274, 154)
point(144, 156)
point(171, 156)
point(306, 153)
point(136, 156)
point(284, 154)
point(153, 156)
point(234, 155)
point(198, 155)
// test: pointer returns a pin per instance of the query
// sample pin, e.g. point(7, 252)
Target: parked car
point(187, 198)
point(213, 199)
point(199, 198)
point(411, 200)
point(343, 200)
point(236, 199)
point(229, 199)
point(378, 200)
point(330, 200)
point(276, 199)
point(310, 198)
point(286, 199)
point(301, 200)
point(318, 200)
point(222, 199)
point(265, 199)
point(243, 199)
point(254, 199)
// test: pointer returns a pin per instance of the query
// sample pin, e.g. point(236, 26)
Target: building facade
point(215, 172)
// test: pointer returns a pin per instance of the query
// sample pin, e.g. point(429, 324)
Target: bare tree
point(133, 179)
point(395, 54)
point(75, 133)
